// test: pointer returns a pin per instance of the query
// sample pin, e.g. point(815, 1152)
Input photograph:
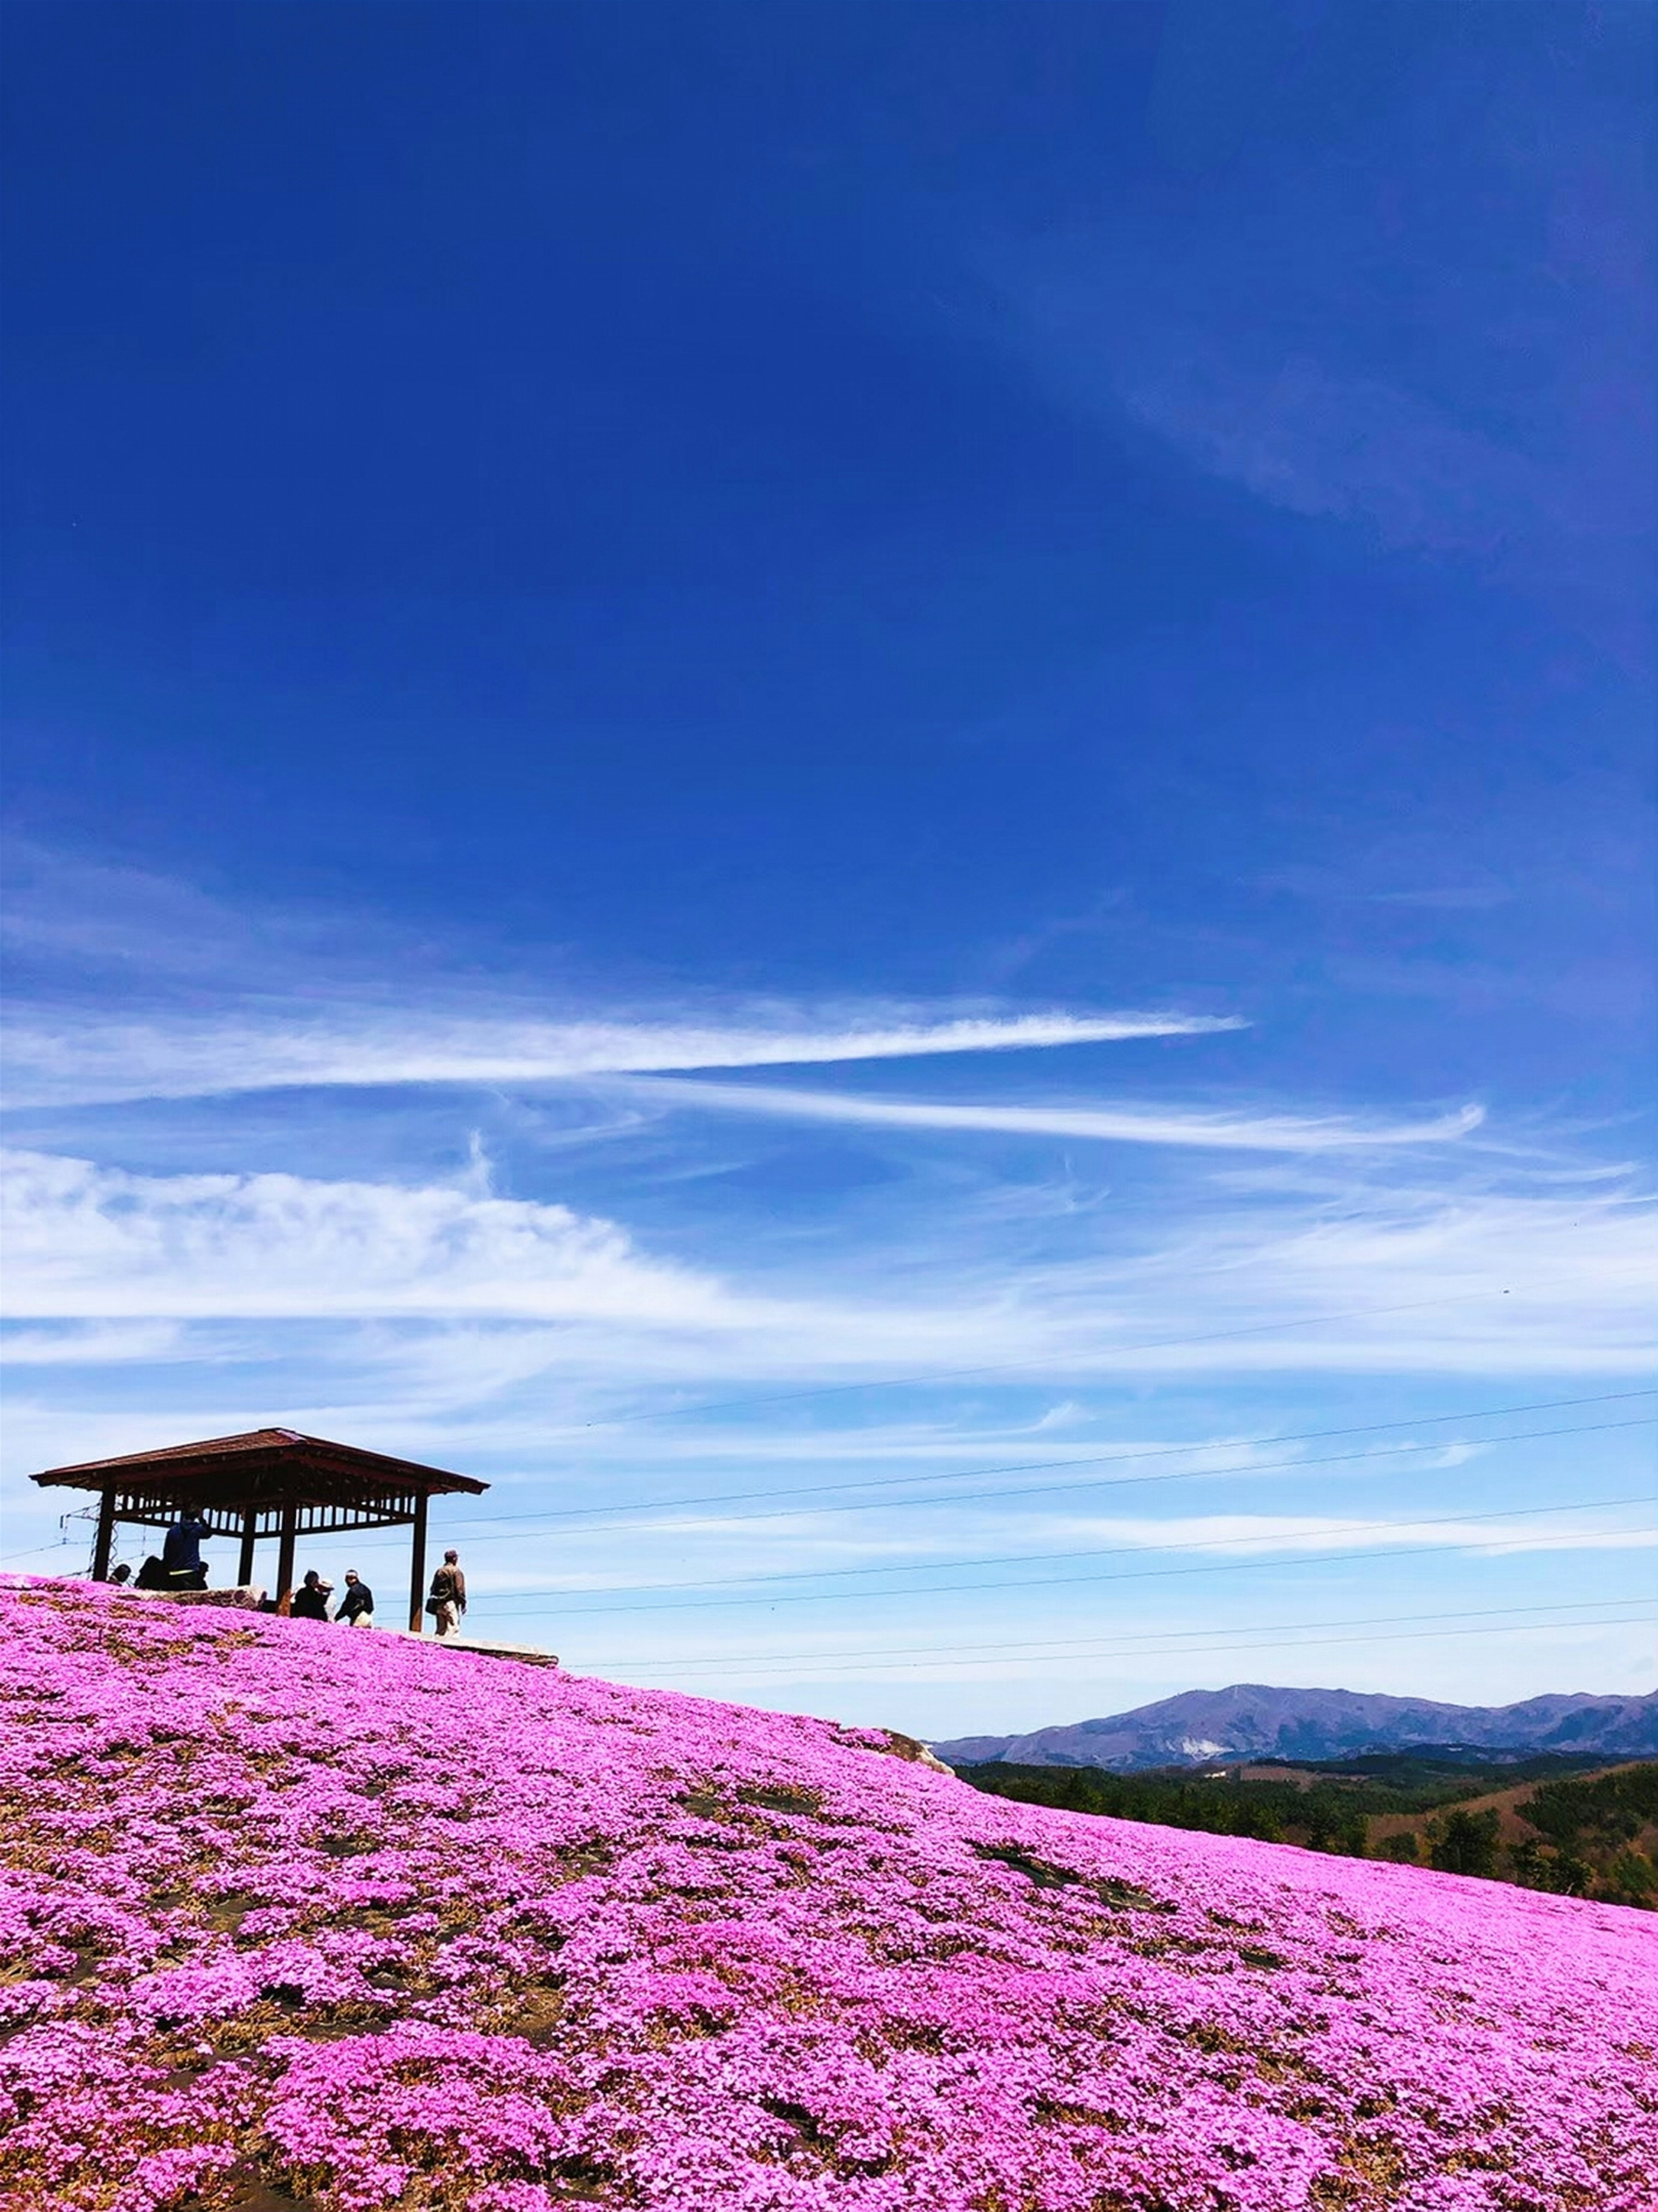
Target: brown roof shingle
point(275, 1448)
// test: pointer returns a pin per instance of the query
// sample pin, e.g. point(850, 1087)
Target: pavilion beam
point(285, 1553)
point(104, 1540)
point(249, 1533)
point(417, 1567)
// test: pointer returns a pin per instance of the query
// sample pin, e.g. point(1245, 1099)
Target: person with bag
point(447, 1601)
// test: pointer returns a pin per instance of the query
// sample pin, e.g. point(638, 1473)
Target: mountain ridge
point(1258, 1720)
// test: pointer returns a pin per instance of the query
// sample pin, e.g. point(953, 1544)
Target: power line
point(1115, 1482)
point(1196, 1474)
point(1094, 1459)
point(1208, 1650)
point(1024, 1467)
point(1121, 1482)
point(1043, 1360)
point(1092, 1647)
point(937, 1589)
point(1102, 1459)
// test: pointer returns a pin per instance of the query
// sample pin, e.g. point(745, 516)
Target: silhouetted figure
point(151, 1576)
point(181, 1554)
point(311, 1599)
point(121, 1574)
point(356, 1608)
point(447, 1601)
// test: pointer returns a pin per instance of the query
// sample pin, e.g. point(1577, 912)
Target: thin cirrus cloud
point(70, 1060)
point(1444, 1278)
point(1271, 1133)
point(1241, 1535)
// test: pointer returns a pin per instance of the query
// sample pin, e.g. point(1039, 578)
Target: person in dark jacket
point(447, 1601)
point(181, 1554)
point(356, 1608)
point(311, 1599)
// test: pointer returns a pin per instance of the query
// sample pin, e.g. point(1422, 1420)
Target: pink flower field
point(294, 1914)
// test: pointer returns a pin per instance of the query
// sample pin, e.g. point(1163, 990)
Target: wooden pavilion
point(271, 1482)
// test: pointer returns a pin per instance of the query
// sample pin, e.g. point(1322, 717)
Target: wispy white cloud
point(1358, 1275)
point(1320, 442)
point(318, 997)
point(78, 1346)
point(1448, 898)
point(70, 1060)
point(1121, 1124)
point(1522, 453)
point(1246, 1533)
point(84, 1241)
point(1240, 1535)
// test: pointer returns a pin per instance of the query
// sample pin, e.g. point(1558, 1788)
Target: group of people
point(355, 1609)
point(181, 1567)
point(447, 1602)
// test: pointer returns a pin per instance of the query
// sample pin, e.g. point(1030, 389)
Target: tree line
point(1582, 1835)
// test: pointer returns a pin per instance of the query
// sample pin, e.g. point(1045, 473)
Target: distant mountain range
point(1253, 1721)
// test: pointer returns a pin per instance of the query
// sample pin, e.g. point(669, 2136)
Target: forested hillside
point(1544, 1823)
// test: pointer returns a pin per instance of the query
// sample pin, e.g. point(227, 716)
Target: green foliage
point(1327, 1817)
point(1587, 1840)
point(1563, 1872)
point(1425, 1779)
point(1464, 1843)
point(1593, 1837)
point(1611, 1808)
point(1406, 1850)
point(1265, 1813)
point(1530, 1865)
point(1631, 1879)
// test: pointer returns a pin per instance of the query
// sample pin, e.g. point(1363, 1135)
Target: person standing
point(356, 1608)
point(447, 1601)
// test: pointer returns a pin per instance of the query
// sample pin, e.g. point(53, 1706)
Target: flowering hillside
point(297, 1913)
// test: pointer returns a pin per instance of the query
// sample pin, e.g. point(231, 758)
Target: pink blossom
point(382, 1923)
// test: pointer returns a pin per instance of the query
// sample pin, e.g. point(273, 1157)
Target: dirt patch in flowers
point(1121, 1895)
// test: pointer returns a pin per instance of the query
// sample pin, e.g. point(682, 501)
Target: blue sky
point(752, 749)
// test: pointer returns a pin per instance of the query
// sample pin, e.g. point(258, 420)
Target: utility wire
point(810, 1669)
point(1092, 1647)
point(1111, 1482)
point(1201, 1651)
point(1031, 1467)
point(1047, 1582)
point(1043, 1360)
point(1118, 1482)
point(1094, 1459)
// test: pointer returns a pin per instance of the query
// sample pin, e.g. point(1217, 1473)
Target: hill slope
point(1251, 1719)
point(298, 1913)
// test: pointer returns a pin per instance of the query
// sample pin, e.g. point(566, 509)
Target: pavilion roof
point(262, 1466)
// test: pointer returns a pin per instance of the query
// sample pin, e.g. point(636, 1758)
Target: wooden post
point(100, 1548)
point(245, 1565)
point(417, 1569)
point(285, 1552)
